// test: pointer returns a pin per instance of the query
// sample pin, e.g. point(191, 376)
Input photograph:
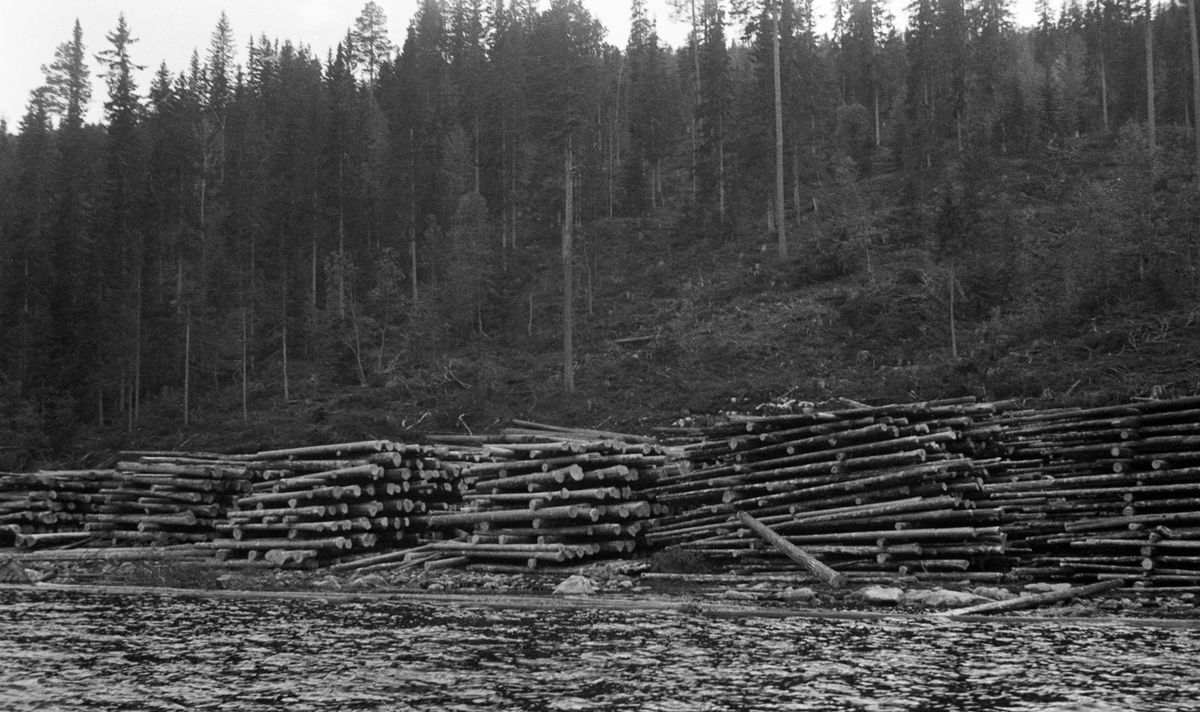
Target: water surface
point(70, 651)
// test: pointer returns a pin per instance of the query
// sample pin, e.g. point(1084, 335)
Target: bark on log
point(808, 561)
point(1016, 604)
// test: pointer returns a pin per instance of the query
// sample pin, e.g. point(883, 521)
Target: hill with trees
point(506, 216)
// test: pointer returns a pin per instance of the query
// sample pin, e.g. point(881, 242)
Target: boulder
point(993, 593)
point(797, 595)
point(368, 581)
point(942, 598)
point(576, 585)
point(329, 583)
point(882, 595)
point(11, 571)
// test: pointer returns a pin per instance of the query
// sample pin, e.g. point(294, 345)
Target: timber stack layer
point(949, 490)
point(160, 501)
point(540, 496)
point(298, 507)
point(940, 490)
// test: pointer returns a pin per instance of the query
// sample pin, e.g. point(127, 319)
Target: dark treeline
point(267, 204)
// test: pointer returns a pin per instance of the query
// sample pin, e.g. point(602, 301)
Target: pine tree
point(121, 300)
point(713, 110)
point(70, 89)
point(370, 40)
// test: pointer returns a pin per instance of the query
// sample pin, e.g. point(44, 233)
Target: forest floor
point(673, 324)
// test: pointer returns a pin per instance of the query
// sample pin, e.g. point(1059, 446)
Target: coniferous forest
point(497, 206)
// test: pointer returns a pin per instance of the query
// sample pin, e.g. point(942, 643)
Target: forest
point(505, 200)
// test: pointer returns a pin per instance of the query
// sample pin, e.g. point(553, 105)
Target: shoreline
point(1124, 606)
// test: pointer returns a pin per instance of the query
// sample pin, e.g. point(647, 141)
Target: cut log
point(795, 553)
point(1016, 604)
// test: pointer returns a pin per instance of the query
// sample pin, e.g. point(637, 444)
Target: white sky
point(168, 30)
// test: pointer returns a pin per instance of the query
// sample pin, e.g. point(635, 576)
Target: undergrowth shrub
point(677, 560)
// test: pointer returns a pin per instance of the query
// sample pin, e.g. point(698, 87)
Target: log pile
point(543, 496)
point(868, 490)
point(952, 489)
point(1099, 493)
point(314, 505)
point(161, 500)
point(47, 508)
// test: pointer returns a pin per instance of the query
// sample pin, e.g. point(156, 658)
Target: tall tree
point(1151, 115)
point(122, 298)
point(468, 61)
point(780, 222)
point(70, 89)
point(565, 50)
point(371, 42)
point(713, 109)
point(31, 314)
point(1195, 45)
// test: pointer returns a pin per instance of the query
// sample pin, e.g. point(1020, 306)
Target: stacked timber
point(544, 496)
point(1101, 492)
point(47, 508)
point(867, 490)
point(314, 505)
point(951, 489)
point(160, 500)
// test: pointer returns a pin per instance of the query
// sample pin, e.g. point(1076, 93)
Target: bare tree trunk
point(513, 194)
point(505, 200)
point(137, 352)
point(696, 101)
point(779, 199)
point(341, 267)
point(953, 327)
point(796, 181)
point(245, 371)
point(412, 260)
point(179, 284)
point(1104, 92)
point(721, 167)
point(1150, 113)
point(312, 296)
point(283, 339)
point(568, 283)
point(357, 347)
point(878, 129)
point(412, 206)
point(253, 292)
point(127, 400)
point(1195, 83)
point(187, 367)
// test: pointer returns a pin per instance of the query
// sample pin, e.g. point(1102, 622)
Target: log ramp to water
point(940, 491)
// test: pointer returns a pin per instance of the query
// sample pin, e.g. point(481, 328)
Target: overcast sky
point(168, 30)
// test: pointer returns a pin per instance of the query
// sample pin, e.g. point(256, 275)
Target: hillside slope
point(1074, 279)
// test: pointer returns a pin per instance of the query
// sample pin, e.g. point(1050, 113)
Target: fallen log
point(800, 556)
point(1016, 604)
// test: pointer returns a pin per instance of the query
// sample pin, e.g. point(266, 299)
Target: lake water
point(71, 651)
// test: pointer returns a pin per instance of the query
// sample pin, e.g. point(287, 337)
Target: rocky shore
point(624, 584)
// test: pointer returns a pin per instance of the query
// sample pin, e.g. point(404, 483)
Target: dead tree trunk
point(568, 281)
point(779, 199)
